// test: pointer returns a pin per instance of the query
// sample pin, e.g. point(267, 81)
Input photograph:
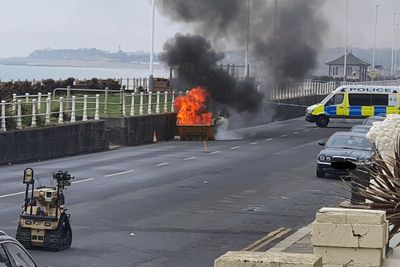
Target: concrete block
point(349, 235)
point(350, 257)
point(350, 216)
point(267, 259)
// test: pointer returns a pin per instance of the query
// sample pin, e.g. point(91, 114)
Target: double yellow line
point(262, 242)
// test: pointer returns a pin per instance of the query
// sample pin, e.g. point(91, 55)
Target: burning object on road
point(194, 121)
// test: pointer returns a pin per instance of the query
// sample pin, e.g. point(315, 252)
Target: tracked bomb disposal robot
point(44, 222)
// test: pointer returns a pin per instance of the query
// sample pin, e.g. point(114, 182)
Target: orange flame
point(192, 108)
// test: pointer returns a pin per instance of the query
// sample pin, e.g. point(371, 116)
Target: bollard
point(124, 104)
point(19, 120)
point(149, 103)
point(121, 96)
point(14, 103)
point(106, 101)
point(3, 115)
point(132, 113)
point(39, 102)
point(166, 101)
point(173, 102)
point(48, 108)
point(97, 107)
point(158, 102)
point(84, 117)
point(61, 111)
point(33, 121)
point(26, 98)
point(141, 104)
point(73, 117)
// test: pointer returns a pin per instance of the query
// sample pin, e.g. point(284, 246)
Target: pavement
point(173, 204)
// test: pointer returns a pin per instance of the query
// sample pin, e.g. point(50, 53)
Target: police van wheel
point(322, 121)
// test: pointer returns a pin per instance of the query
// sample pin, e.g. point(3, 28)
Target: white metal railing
point(382, 83)
point(307, 88)
point(28, 110)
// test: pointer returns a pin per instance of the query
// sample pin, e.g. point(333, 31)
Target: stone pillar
point(132, 113)
point(3, 115)
point(158, 102)
point(106, 101)
point(33, 121)
point(173, 102)
point(26, 98)
point(149, 103)
point(124, 104)
point(267, 259)
point(14, 103)
point(356, 236)
point(19, 111)
point(141, 104)
point(97, 108)
point(73, 117)
point(61, 111)
point(39, 102)
point(84, 117)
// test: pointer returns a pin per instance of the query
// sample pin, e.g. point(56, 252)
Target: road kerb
point(290, 240)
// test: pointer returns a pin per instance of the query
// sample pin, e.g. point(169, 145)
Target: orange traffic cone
point(154, 137)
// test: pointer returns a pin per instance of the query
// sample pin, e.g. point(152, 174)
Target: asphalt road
point(172, 204)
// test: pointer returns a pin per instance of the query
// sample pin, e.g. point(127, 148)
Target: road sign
point(373, 74)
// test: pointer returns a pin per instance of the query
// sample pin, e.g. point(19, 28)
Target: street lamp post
point(376, 30)
point(392, 66)
point(151, 82)
point(346, 40)
point(246, 59)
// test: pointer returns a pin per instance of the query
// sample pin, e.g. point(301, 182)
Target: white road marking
point(306, 130)
point(214, 152)
point(82, 181)
point(269, 139)
point(13, 194)
point(189, 158)
point(118, 173)
point(295, 132)
point(235, 147)
point(284, 135)
point(254, 143)
point(162, 164)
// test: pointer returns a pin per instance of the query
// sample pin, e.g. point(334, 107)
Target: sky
point(26, 25)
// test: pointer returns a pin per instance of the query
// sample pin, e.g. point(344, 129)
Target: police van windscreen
point(326, 99)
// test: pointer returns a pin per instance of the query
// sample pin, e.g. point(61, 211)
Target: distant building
point(357, 69)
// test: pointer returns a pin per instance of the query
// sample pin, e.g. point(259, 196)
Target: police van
point(355, 102)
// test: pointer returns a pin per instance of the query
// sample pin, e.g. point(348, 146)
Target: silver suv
point(13, 254)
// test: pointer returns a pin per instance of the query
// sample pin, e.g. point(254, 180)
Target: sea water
point(14, 72)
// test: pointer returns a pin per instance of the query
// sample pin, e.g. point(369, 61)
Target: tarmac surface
point(173, 204)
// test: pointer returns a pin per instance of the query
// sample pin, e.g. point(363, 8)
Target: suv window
point(4, 261)
point(19, 256)
point(335, 100)
point(380, 100)
point(360, 100)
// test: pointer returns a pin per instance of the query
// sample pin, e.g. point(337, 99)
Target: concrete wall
point(139, 130)
point(51, 142)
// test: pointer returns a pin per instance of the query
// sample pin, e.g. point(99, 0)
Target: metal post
point(106, 101)
point(48, 108)
point(61, 111)
point(19, 119)
point(393, 43)
point(33, 122)
point(153, 19)
point(149, 103)
point(374, 47)
point(97, 111)
point(158, 102)
point(73, 117)
point(141, 104)
point(39, 102)
point(166, 101)
point(68, 96)
point(3, 115)
point(26, 98)
point(246, 58)
point(173, 102)
point(14, 103)
point(84, 117)
point(132, 113)
point(121, 96)
point(124, 104)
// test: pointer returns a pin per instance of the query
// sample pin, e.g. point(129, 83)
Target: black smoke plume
point(196, 63)
point(284, 38)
